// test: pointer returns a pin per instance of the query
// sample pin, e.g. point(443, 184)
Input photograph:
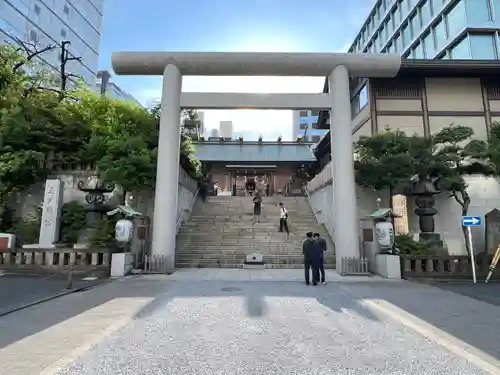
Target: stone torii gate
point(338, 67)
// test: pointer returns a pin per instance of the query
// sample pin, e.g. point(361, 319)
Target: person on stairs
point(257, 206)
point(283, 219)
point(322, 248)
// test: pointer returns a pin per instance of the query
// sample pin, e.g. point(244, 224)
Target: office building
point(106, 87)
point(45, 23)
point(307, 119)
point(201, 119)
point(226, 129)
point(214, 133)
point(432, 29)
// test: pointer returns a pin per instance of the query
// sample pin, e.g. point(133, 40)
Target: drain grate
point(230, 289)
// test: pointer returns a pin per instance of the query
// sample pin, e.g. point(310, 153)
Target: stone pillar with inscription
point(51, 212)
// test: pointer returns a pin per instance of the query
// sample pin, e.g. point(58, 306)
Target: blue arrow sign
point(471, 221)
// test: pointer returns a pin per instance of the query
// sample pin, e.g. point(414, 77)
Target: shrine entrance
point(338, 67)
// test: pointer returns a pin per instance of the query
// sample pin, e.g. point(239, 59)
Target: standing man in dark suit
point(321, 243)
point(311, 259)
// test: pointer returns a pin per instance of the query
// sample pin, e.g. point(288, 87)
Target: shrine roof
point(245, 152)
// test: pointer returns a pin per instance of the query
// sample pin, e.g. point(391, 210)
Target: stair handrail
point(180, 219)
point(329, 226)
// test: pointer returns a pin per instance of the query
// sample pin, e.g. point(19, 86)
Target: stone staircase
point(222, 232)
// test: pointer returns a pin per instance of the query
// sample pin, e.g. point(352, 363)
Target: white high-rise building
point(226, 129)
point(49, 22)
point(214, 133)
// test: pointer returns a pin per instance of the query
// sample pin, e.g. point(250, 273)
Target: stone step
point(242, 259)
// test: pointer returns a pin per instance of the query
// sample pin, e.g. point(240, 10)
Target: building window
point(33, 36)
point(456, 19)
point(496, 9)
point(483, 47)
point(315, 112)
point(426, 13)
point(415, 24)
point(63, 33)
point(363, 97)
point(37, 9)
point(478, 11)
point(440, 33)
point(419, 51)
point(303, 126)
point(303, 114)
point(461, 51)
point(66, 9)
point(382, 39)
point(314, 125)
point(406, 35)
point(429, 47)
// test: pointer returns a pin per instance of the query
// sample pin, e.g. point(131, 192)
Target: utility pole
point(65, 58)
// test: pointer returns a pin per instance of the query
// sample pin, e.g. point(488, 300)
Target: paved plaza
point(253, 322)
point(18, 289)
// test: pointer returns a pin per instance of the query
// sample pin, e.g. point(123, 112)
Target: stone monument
point(51, 212)
point(492, 231)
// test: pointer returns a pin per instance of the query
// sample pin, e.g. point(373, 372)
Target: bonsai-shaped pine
point(383, 161)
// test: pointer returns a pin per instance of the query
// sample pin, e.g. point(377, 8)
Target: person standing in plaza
point(310, 251)
point(321, 243)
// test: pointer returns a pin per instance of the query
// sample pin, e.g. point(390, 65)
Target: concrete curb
point(51, 297)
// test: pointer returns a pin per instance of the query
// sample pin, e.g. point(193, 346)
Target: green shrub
point(72, 222)
point(408, 246)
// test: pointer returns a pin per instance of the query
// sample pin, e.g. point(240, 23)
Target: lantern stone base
point(121, 264)
point(388, 266)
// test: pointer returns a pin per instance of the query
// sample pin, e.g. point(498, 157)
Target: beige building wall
point(437, 103)
point(442, 102)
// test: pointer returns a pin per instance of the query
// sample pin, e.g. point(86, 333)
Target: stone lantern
point(424, 191)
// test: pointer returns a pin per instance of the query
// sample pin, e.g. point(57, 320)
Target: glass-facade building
point(48, 22)
point(307, 119)
point(432, 29)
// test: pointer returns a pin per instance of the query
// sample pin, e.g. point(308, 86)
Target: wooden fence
point(95, 262)
point(445, 267)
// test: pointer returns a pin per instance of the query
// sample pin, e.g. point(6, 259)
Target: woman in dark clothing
point(257, 206)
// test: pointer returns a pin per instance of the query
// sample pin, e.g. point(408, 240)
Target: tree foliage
point(391, 159)
point(42, 131)
point(383, 161)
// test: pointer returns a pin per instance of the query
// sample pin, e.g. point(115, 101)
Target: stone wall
point(141, 201)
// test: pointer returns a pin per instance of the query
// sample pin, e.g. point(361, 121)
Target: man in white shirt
point(283, 219)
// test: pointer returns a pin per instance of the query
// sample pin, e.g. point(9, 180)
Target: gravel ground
point(266, 327)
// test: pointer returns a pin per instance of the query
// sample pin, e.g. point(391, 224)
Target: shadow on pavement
point(29, 321)
point(472, 321)
point(255, 293)
point(16, 326)
point(489, 293)
point(17, 290)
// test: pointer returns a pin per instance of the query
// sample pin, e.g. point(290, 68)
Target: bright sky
point(238, 25)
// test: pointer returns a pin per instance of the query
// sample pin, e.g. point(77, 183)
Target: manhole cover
point(230, 289)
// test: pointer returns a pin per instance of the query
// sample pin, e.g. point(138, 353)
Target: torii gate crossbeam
point(338, 67)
